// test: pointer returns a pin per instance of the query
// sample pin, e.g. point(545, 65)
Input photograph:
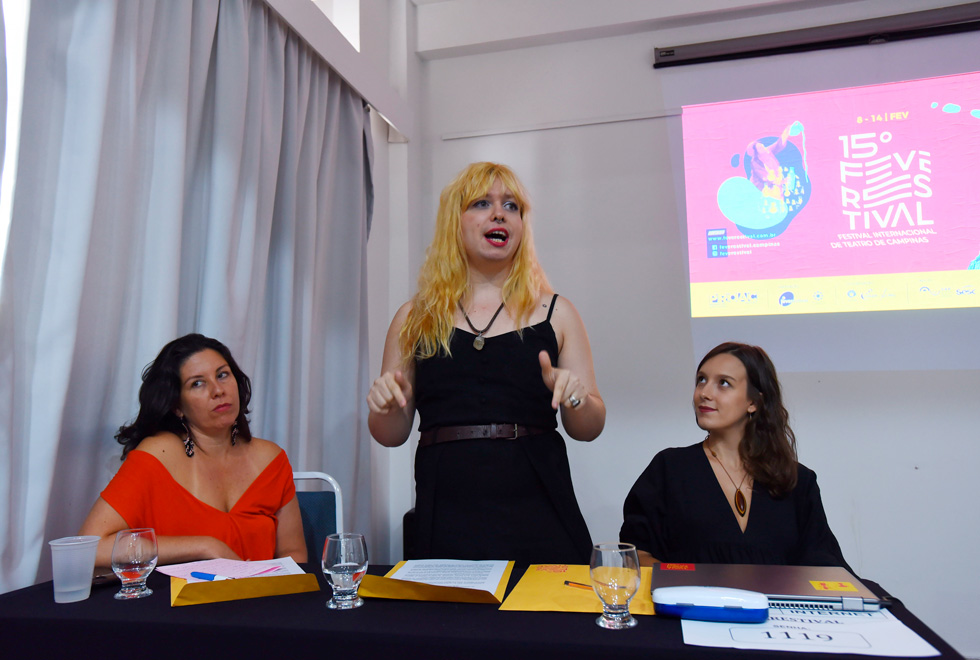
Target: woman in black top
point(739, 496)
point(488, 353)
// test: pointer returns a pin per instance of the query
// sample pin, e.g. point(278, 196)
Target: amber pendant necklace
point(479, 341)
point(740, 504)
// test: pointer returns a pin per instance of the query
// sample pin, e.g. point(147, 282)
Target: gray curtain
point(3, 88)
point(184, 167)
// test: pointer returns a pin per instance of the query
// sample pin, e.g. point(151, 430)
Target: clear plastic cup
point(73, 562)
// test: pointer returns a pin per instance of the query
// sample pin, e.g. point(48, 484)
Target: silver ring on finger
point(574, 402)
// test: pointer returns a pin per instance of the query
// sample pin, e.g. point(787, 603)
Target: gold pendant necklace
point(740, 504)
point(479, 341)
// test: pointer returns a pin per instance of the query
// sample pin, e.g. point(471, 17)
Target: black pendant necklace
point(479, 341)
point(740, 504)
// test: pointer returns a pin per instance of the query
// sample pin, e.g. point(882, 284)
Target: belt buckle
point(515, 433)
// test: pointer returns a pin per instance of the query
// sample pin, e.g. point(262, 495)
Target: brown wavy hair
point(768, 448)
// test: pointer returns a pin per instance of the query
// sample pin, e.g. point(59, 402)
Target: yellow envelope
point(183, 592)
point(543, 589)
point(374, 586)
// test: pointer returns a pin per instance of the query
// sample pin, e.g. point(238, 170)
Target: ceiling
point(453, 28)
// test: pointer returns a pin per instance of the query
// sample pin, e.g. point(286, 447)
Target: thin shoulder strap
point(552, 308)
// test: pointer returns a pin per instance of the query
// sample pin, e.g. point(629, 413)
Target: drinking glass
point(134, 556)
point(72, 563)
point(615, 572)
point(345, 561)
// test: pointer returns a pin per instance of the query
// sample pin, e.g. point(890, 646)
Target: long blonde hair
point(444, 276)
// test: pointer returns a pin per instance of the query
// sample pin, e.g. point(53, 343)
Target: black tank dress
point(495, 498)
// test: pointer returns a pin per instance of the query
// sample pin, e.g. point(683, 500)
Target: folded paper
point(374, 586)
point(542, 589)
point(183, 592)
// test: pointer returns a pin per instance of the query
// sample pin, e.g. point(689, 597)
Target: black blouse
point(678, 512)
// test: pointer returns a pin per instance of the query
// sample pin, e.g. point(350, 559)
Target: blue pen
point(208, 576)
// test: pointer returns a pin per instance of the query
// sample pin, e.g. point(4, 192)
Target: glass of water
point(134, 556)
point(615, 572)
point(345, 561)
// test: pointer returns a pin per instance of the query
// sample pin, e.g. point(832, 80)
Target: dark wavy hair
point(768, 449)
point(160, 392)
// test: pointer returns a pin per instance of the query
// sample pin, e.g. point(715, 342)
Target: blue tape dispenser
point(711, 604)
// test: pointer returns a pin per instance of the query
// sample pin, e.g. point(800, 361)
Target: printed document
point(792, 629)
point(483, 575)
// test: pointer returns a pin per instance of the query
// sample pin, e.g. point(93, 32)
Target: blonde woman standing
point(488, 354)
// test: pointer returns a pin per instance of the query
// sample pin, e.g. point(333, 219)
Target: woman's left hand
point(566, 387)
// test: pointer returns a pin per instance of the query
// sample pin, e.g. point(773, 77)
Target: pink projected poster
point(861, 181)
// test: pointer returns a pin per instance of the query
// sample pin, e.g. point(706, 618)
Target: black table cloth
point(294, 626)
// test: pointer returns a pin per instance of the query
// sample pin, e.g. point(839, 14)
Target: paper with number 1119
point(790, 629)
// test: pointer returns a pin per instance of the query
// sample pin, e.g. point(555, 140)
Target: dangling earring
point(234, 433)
point(188, 439)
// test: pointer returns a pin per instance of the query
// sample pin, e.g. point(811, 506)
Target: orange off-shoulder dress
point(145, 495)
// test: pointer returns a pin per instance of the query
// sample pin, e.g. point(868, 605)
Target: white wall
point(892, 449)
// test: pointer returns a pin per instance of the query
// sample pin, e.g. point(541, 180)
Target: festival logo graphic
point(776, 185)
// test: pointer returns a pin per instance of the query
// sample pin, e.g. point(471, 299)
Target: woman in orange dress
point(192, 469)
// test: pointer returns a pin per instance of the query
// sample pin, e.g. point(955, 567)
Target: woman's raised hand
point(566, 387)
point(390, 390)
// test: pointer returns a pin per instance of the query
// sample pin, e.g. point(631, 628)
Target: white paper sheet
point(484, 575)
point(789, 629)
point(232, 568)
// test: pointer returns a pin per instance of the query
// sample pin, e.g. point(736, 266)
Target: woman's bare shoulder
point(169, 450)
point(565, 313)
point(564, 306)
point(403, 312)
point(540, 311)
point(163, 446)
point(567, 322)
point(265, 448)
point(263, 452)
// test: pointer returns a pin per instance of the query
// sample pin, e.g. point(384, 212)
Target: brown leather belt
point(491, 431)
